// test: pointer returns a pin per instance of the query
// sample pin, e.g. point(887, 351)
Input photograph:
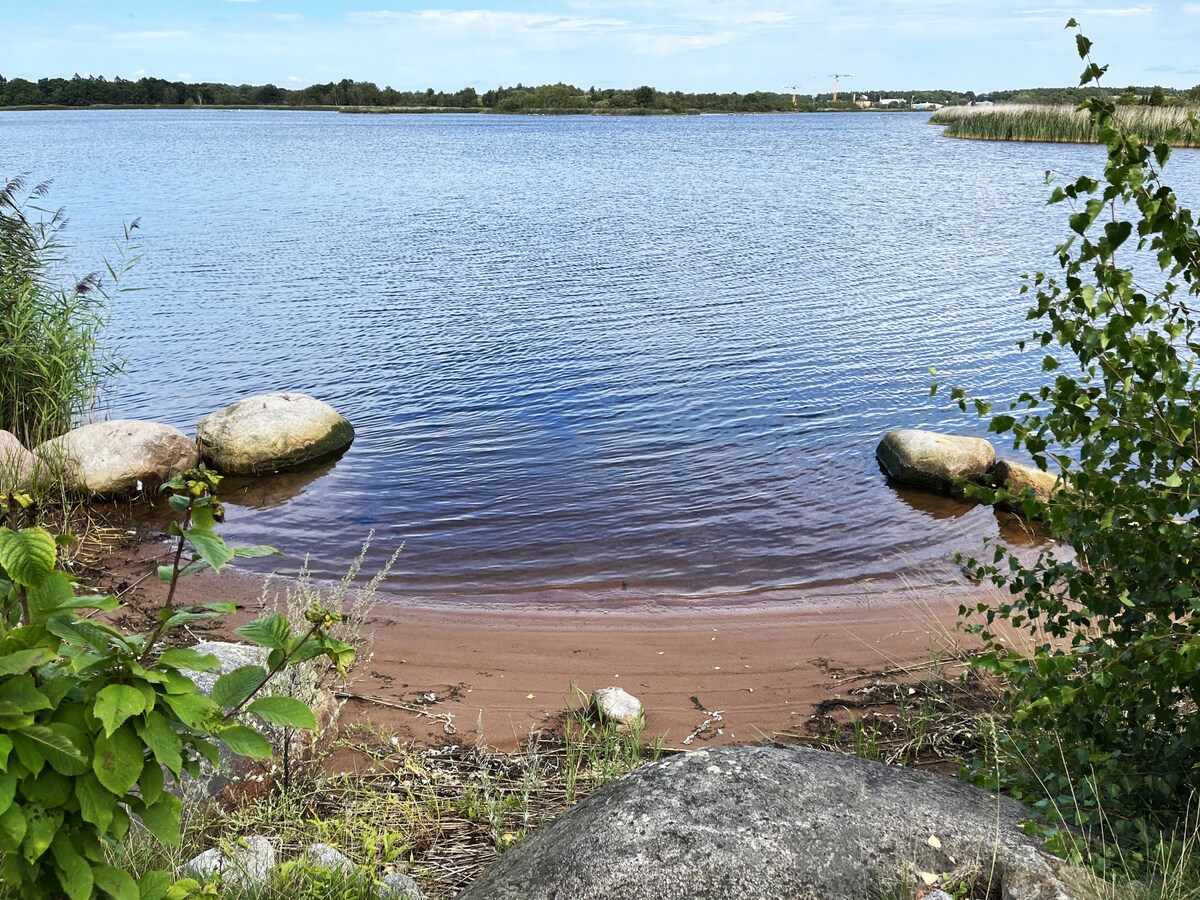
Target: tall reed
point(53, 361)
point(1062, 124)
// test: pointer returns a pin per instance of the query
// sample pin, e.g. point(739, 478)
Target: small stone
point(249, 863)
point(617, 705)
point(330, 858)
point(398, 886)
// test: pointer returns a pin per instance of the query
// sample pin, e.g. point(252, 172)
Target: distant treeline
point(94, 90)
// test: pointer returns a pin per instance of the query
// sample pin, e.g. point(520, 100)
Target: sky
point(687, 45)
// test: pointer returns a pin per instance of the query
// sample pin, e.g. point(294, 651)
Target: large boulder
point(774, 822)
point(117, 458)
point(938, 461)
point(271, 433)
point(1016, 477)
point(16, 464)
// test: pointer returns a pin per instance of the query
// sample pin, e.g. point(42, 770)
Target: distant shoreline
point(440, 110)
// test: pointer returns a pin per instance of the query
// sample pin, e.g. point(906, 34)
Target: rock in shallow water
point(938, 461)
point(117, 458)
point(1017, 477)
point(271, 433)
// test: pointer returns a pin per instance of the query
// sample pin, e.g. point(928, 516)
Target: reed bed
point(1064, 124)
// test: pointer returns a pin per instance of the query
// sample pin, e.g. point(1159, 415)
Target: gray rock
point(271, 433)
point(938, 461)
point(16, 464)
point(617, 705)
point(764, 822)
point(330, 858)
point(247, 865)
point(398, 886)
point(117, 458)
point(1017, 477)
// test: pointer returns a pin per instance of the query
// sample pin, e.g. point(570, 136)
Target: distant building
point(892, 101)
point(862, 102)
point(928, 105)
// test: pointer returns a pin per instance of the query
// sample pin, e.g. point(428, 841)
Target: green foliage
point(92, 719)
point(1106, 731)
point(52, 364)
point(1064, 124)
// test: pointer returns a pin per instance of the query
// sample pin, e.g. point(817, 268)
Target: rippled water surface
point(585, 357)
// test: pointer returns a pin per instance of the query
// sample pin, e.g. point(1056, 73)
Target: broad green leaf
point(8, 789)
point(192, 709)
point(49, 594)
point(209, 546)
point(80, 634)
point(255, 552)
point(12, 829)
point(234, 687)
point(23, 694)
point(286, 711)
point(6, 746)
point(162, 818)
point(24, 660)
point(42, 824)
point(154, 884)
point(187, 658)
point(118, 760)
point(116, 703)
point(116, 883)
point(27, 555)
point(54, 744)
point(166, 573)
point(245, 742)
point(271, 630)
point(96, 802)
point(150, 783)
point(73, 871)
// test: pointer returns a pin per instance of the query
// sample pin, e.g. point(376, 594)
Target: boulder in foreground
point(117, 458)
point(774, 823)
point(272, 433)
point(938, 461)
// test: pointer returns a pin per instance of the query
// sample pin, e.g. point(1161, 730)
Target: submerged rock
point(1016, 477)
point(271, 433)
point(117, 458)
point(16, 464)
point(772, 823)
point(938, 461)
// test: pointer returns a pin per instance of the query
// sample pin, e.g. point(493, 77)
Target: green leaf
point(187, 658)
point(24, 660)
point(271, 630)
point(286, 711)
point(234, 687)
point(8, 789)
point(12, 829)
point(154, 884)
point(43, 824)
point(255, 552)
point(27, 555)
point(116, 703)
point(49, 595)
point(118, 760)
point(210, 546)
point(192, 709)
point(73, 871)
point(23, 694)
point(245, 742)
point(162, 818)
point(53, 742)
point(115, 883)
point(96, 802)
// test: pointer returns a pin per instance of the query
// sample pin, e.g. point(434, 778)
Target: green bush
point(1106, 729)
point(52, 362)
point(93, 719)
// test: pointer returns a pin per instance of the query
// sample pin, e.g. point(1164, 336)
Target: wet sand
point(706, 675)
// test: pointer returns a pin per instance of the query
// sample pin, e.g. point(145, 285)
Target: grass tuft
point(1062, 124)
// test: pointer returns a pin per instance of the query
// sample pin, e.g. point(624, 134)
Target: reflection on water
point(271, 491)
point(578, 353)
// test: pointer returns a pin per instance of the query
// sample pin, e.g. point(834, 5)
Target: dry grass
point(1062, 124)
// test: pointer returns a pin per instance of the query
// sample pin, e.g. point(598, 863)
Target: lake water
point(586, 358)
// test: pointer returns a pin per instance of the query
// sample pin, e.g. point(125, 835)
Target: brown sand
point(717, 675)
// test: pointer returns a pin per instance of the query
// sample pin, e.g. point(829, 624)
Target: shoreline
point(735, 674)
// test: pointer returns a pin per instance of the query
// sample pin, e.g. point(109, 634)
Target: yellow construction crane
point(835, 78)
point(793, 88)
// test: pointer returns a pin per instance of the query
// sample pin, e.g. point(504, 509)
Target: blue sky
point(699, 45)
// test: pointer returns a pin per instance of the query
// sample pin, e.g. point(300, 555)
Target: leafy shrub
point(91, 717)
point(1106, 706)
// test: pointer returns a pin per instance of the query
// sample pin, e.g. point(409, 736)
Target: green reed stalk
point(1058, 124)
point(53, 362)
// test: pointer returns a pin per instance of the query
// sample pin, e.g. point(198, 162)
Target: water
point(586, 358)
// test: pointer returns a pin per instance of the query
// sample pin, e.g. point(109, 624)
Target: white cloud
point(184, 76)
point(292, 79)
